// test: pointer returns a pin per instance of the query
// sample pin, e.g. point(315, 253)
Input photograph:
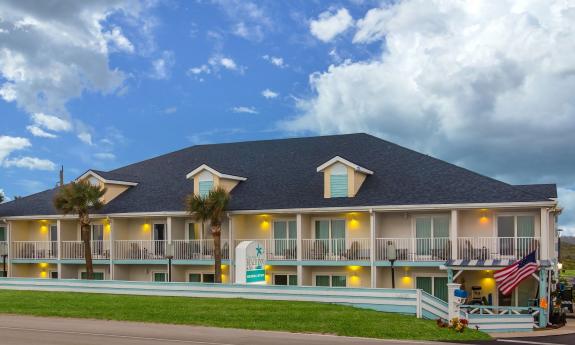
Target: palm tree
point(1, 196)
point(211, 207)
point(81, 198)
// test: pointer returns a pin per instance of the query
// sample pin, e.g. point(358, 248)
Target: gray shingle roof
point(282, 174)
point(548, 190)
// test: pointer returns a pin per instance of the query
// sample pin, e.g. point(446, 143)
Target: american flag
point(509, 277)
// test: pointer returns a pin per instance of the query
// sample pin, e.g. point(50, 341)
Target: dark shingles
point(282, 174)
point(548, 190)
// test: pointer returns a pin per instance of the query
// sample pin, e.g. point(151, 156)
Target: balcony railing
point(75, 250)
point(3, 248)
point(413, 249)
point(34, 250)
point(199, 249)
point(276, 249)
point(495, 248)
point(336, 249)
point(139, 250)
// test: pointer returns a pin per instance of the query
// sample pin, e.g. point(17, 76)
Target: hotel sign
point(250, 263)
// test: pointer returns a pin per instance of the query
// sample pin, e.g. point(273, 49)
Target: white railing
point(139, 250)
point(281, 249)
point(336, 249)
point(75, 250)
point(199, 249)
point(34, 250)
point(414, 249)
point(495, 248)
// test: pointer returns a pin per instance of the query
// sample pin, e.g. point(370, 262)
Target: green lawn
point(234, 313)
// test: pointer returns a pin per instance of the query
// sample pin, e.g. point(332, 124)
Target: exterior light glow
point(483, 220)
point(354, 268)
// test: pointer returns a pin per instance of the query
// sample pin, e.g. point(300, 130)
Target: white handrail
point(75, 250)
point(495, 248)
point(414, 249)
point(139, 250)
point(34, 250)
point(353, 249)
point(199, 249)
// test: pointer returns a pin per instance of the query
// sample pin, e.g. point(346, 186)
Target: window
point(285, 279)
point(205, 183)
point(331, 280)
point(285, 234)
point(97, 232)
point(159, 277)
point(2, 234)
point(436, 286)
point(201, 277)
point(330, 236)
point(53, 274)
point(338, 181)
point(432, 235)
point(95, 275)
point(3, 274)
point(516, 235)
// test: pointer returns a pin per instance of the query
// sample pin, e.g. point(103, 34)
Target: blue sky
point(97, 84)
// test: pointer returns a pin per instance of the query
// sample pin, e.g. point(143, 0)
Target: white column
point(112, 245)
point(59, 246)
point(9, 244)
point(544, 251)
point(372, 219)
point(453, 233)
point(232, 250)
point(169, 229)
point(299, 224)
point(453, 302)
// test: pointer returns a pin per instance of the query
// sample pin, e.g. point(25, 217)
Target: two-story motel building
point(329, 210)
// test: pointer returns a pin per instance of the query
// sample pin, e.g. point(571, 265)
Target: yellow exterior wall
point(483, 222)
point(326, 182)
point(112, 191)
point(39, 270)
point(405, 276)
point(354, 181)
point(32, 230)
point(357, 276)
point(271, 270)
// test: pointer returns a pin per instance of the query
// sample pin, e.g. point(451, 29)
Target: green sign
point(256, 276)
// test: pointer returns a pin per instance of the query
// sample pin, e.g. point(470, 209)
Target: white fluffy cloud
point(11, 144)
point(267, 93)
point(330, 24)
point(105, 156)
point(162, 66)
point(275, 60)
point(53, 51)
point(31, 163)
point(39, 132)
point(245, 110)
point(51, 122)
point(487, 85)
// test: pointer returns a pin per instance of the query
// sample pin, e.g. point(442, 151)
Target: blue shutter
point(205, 187)
point(338, 186)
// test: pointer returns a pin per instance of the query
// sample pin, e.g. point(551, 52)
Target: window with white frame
point(432, 235)
point(284, 279)
point(3, 234)
point(330, 280)
point(97, 232)
point(433, 285)
point(516, 234)
point(330, 236)
point(285, 235)
point(205, 183)
point(338, 182)
point(95, 275)
point(159, 276)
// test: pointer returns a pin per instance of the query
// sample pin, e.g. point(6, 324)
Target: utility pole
point(62, 176)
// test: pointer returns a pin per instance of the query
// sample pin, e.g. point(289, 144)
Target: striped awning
point(489, 263)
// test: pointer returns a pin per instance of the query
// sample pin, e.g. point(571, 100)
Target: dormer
point(342, 178)
point(206, 179)
point(115, 184)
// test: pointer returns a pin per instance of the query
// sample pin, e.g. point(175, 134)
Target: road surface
point(27, 330)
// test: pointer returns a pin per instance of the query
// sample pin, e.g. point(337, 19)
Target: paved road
point(568, 339)
point(26, 330)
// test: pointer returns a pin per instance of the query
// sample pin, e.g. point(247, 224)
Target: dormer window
point(338, 181)
point(206, 179)
point(114, 183)
point(342, 178)
point(205, 182)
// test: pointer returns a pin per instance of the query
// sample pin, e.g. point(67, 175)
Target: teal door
point(440, 288)
point(425, 284)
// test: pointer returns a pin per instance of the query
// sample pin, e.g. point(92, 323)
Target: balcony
point(277, 249)
point(74, 250)
point(34, 250)
point(357, 249)
point(139, 250)
point(3, 248)
point(198, 249)
point(413, 249)
point(495, 248)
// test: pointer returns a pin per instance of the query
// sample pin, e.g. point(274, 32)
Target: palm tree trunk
point(217, 234)
point(85, 231)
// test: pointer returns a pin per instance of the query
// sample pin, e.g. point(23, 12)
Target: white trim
point(103, 180)
point(283, 220)
point(215, 172)
point(380, 208)
point(337, 159)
